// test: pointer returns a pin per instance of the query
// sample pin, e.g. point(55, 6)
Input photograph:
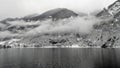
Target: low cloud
point(78, 24)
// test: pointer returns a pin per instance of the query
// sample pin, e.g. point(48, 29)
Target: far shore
point(66, 47)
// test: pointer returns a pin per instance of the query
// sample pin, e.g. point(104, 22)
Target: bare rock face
point(111, 26)
point(103, 13)
point(114, 8)
point(112, 11)
point(54, 14)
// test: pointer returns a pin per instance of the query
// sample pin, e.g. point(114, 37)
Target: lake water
point(59, 58)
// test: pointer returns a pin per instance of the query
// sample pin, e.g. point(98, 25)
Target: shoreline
point(64, 47)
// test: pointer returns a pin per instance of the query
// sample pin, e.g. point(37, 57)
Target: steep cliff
point(113, 10)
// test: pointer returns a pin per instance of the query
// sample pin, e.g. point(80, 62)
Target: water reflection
point(59, 58)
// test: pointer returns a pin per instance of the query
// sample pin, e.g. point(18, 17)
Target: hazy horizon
point(20, 8)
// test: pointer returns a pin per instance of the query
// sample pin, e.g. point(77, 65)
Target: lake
point(59, 58)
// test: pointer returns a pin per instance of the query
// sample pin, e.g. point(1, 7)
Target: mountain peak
point(112, 10)
point(54, 14)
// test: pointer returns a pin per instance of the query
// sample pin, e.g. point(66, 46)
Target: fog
point(77, 24)
point(82, 25)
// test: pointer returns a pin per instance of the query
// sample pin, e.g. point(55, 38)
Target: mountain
point(63, 28)
point(9, 20)
point(113, 10)
point(110, 24)
point(95, 12)
point(28, 30)
point(81, 14)
point(19, 26)
point(31, 16)
point(105, 34)
point(55, 14)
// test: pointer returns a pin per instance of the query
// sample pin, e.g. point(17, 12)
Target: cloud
point(77, 24)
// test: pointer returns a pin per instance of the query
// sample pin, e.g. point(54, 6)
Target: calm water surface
point(59, 58)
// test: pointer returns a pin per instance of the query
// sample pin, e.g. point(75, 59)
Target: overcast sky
point(19, 8)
